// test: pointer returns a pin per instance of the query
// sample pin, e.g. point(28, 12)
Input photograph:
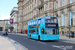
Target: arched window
point(63, 19)
point(71, 18)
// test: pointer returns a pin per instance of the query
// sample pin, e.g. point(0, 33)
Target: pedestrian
point(72, 34)
point(21, 31)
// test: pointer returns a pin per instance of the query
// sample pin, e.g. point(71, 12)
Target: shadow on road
point(50, 41)
point(46, 40)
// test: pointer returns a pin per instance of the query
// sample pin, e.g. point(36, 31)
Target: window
point(51, 20)
point(51, 31)
point(32, 31)
point(17, 14)
point(62, 2)
point(71, 18)
point(70, 1)
point(56, 5)
point(63, 19)
point(17, 20)
point(42, 20)
point(39, 21)
point(47, 6)
point(43, 9)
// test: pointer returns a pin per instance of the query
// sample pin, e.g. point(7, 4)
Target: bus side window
point(37, 30)
point(32, 31)
point(42, 31)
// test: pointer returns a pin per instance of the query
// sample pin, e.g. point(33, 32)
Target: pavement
point(67, 39)
point(5, 44)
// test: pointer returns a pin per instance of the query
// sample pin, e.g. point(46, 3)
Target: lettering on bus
point(51, 25)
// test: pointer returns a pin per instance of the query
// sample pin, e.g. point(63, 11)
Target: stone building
point(63, 9)
point(13, 24)
point(3, 25)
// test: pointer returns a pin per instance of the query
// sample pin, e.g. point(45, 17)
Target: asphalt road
point(32, 44)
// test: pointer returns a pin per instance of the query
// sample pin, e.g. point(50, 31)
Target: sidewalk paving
point(67, 39)
point(6, 44)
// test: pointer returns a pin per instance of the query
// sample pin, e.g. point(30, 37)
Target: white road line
point(63, 47)
point(41, 42)
point(59, 47)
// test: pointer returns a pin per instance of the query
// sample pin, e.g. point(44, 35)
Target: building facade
point(3, 25)
point(32, 9)
point(13, 19)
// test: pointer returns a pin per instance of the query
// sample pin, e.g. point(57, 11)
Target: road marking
point(63, 47)
point(41, 42)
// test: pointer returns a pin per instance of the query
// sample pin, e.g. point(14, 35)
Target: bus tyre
point(30, 36)
point(39, 38)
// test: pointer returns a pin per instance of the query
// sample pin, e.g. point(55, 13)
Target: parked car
point(5, 33)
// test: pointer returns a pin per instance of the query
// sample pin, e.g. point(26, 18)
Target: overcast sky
point(5, 8)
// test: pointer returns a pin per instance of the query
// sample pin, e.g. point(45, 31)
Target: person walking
point(72, 34)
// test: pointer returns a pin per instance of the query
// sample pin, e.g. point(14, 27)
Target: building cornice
point(64, 7)
point(20, 1)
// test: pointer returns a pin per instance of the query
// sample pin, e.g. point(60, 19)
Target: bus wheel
point(39, 38)
point(30, 36)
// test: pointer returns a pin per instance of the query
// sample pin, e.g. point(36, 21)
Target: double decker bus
point(44, 28)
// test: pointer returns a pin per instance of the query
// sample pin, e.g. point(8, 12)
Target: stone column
point(73, 0)
point(37, 2)
point(66, 17)
point(73, 18)
point(59, 3)
point(49, 6)
point(44, 7)
point(20, 8)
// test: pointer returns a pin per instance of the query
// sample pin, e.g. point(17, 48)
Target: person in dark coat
point(72, 34)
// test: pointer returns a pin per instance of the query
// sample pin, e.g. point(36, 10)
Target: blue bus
point(44, 28)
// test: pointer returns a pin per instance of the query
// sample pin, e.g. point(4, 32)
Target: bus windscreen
point(52, 20)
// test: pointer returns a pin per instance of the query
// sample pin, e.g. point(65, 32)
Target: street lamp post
point(69, 18)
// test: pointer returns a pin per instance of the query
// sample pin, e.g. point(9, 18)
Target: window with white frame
point(62, 2)
point(47, 6)
point(63, 19)
point(71, 18)
point(56, 5)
